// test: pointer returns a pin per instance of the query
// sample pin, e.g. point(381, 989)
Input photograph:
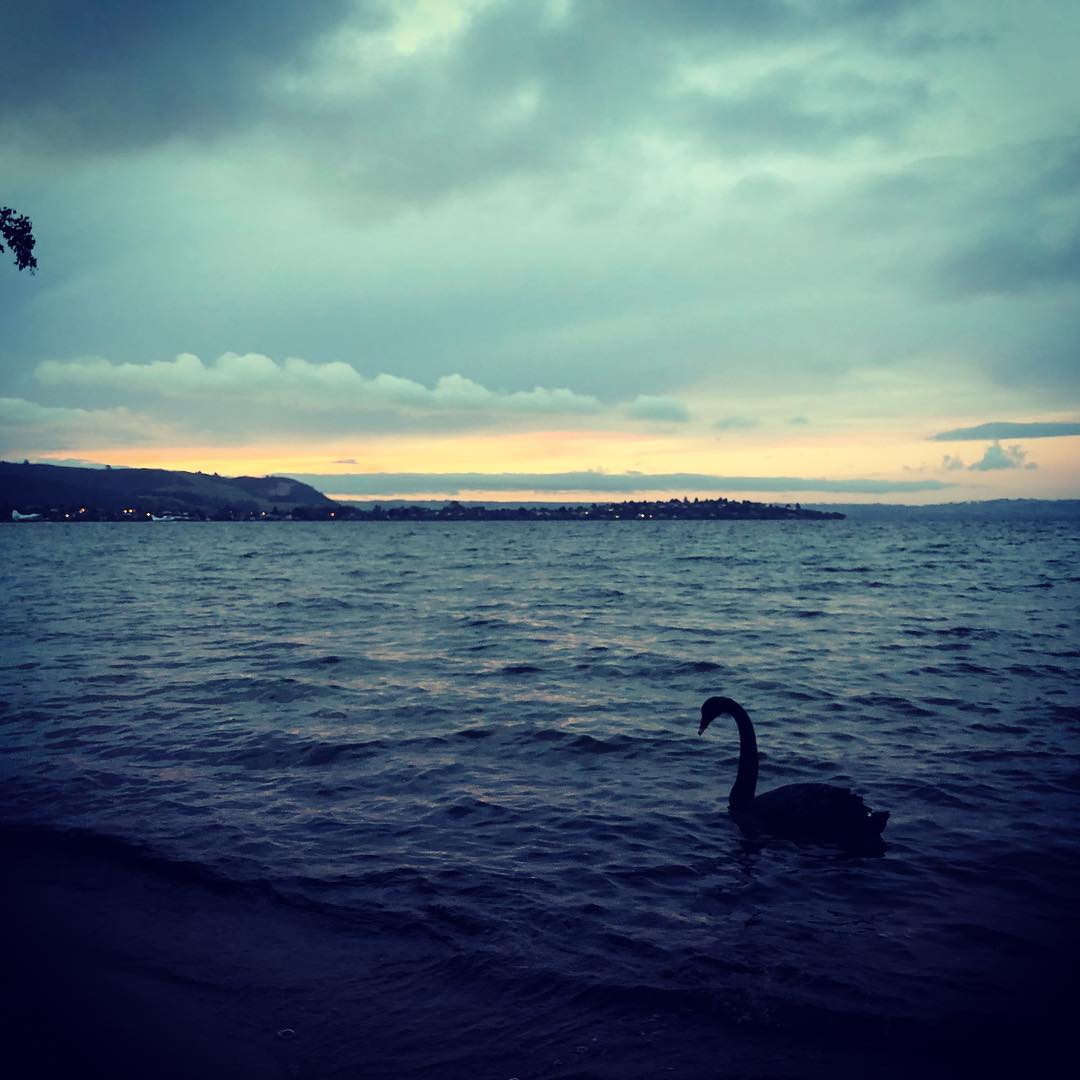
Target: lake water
point(430, 798)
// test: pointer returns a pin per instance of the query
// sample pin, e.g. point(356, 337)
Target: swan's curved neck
point(742, 794)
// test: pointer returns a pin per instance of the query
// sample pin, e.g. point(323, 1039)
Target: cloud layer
point(421, 101)
point(70, 82)
point(27, 427)
point(370, 484)
point(300, 383)
point(999, 429)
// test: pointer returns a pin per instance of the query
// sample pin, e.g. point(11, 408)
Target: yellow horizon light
point(874, 453)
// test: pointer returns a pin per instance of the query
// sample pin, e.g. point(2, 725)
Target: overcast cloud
point(464, 216)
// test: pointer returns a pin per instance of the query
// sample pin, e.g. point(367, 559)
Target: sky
point(565, 249)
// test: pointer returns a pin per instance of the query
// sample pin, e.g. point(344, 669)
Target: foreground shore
point(86, 992)
point(127, 971)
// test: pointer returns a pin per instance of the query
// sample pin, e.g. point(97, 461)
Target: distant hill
point(48, 488)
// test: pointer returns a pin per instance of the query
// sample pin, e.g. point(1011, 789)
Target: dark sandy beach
point(83, 994)
point(95, 946)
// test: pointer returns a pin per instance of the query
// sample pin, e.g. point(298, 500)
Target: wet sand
point(122, 971)
point(87, 992)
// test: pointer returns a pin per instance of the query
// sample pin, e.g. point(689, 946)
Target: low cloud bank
point(658, 407)
point(588, 481)
point(1003, 429)
point(335, 386)
point(27, 427)
point(735, 423)
point(302, 383)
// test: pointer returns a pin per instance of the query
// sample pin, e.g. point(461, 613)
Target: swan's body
point(817, 813)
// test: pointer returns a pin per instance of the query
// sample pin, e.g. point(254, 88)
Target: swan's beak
point(702, 725)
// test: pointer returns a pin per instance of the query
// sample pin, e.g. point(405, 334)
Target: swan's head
point(712, 708)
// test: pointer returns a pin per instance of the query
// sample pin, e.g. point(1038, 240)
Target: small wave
point(977, 633)
point(228, 689)
point(474, 733)
point(1063, 712)
point(275, 751)
point(323, 603)
point(582, 742)
point(87, 843)
point(969, 668)
point(699, 667)
point(547, 735)
point(652, 665)
point(604, 671)
point(1000, 728)
point(326, 660)
point(469, 805)
point(656, 999)
point(891, 702)
point(591, 745)
point(331, 753)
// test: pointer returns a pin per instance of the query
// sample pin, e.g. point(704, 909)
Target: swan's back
point(813, 812)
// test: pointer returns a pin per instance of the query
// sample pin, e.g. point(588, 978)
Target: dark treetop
point(17, 231)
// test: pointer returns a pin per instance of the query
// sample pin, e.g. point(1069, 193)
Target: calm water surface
point(453, 770)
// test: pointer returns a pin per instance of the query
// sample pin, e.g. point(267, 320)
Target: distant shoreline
point(42, 492)
point(670, 510)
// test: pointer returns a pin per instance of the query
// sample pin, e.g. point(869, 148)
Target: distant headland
point(69, 493)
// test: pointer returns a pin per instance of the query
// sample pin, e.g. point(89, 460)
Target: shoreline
point(128, 970)
point(85, 995)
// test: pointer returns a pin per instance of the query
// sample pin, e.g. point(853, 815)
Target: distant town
point(672, 509)
point(666, 510)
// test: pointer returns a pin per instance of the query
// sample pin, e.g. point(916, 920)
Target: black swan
point(817, 813)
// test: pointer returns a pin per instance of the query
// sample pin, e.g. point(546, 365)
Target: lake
point(428, 800)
